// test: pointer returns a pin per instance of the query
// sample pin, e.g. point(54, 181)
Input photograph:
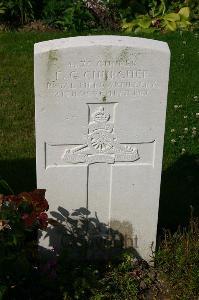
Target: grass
point(177, 261)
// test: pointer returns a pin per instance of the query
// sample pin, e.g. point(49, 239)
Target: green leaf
point(69, 12)
point(171, 26)
point(144, 22)
point(172, 17)
point(184, 13)
point(2, 8)
point(183, 24)
point(5, 188)
point(128, 26)
point(3, 289)
point(14, 240)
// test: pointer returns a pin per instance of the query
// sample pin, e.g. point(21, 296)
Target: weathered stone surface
point(100, 117)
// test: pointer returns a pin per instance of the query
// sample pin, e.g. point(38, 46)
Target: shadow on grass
point(179, 193)
point(19, 174)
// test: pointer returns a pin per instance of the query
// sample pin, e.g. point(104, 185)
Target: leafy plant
point(156, 8)
point(130, 279)
point(178, 260)
point(173, 21)
point(105, 13)
point(4, 187)
point(140, 23)
point(77, 17)
point(17, 12)
point(20, 217)
point(194, 7)
point(2, 8)
point(68, 15)
point(167, 22)
point(52, 10)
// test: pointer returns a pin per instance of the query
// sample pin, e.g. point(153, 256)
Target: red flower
point(37, 199)
point(12, 199)
point(28, 219)
point(31, 206)
point(43, 219)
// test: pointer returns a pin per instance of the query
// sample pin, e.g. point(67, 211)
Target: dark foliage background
point(80, 15)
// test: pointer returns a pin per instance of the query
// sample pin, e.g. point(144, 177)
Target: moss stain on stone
point(52, 56)
point(52, 59)
point(107, 56)
point(123, 56)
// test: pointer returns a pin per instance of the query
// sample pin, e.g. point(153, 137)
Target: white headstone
point(100, 118)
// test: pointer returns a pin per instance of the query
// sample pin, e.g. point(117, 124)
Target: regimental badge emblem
point(102, 143)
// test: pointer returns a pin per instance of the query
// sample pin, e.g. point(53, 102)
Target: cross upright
point(99, 154)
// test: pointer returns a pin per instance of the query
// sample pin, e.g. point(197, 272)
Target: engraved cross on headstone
point(102, 147)
point(101, 151)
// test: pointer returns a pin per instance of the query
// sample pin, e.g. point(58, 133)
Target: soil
point(36, 26)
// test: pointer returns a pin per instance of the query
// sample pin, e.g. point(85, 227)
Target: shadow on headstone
point(19, 174)
point(83, 237)
point(179, 189)
point(179, 193)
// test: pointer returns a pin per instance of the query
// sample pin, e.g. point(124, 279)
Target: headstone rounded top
point(101, 40)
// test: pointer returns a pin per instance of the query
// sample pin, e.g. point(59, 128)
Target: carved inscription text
point(102, 78)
